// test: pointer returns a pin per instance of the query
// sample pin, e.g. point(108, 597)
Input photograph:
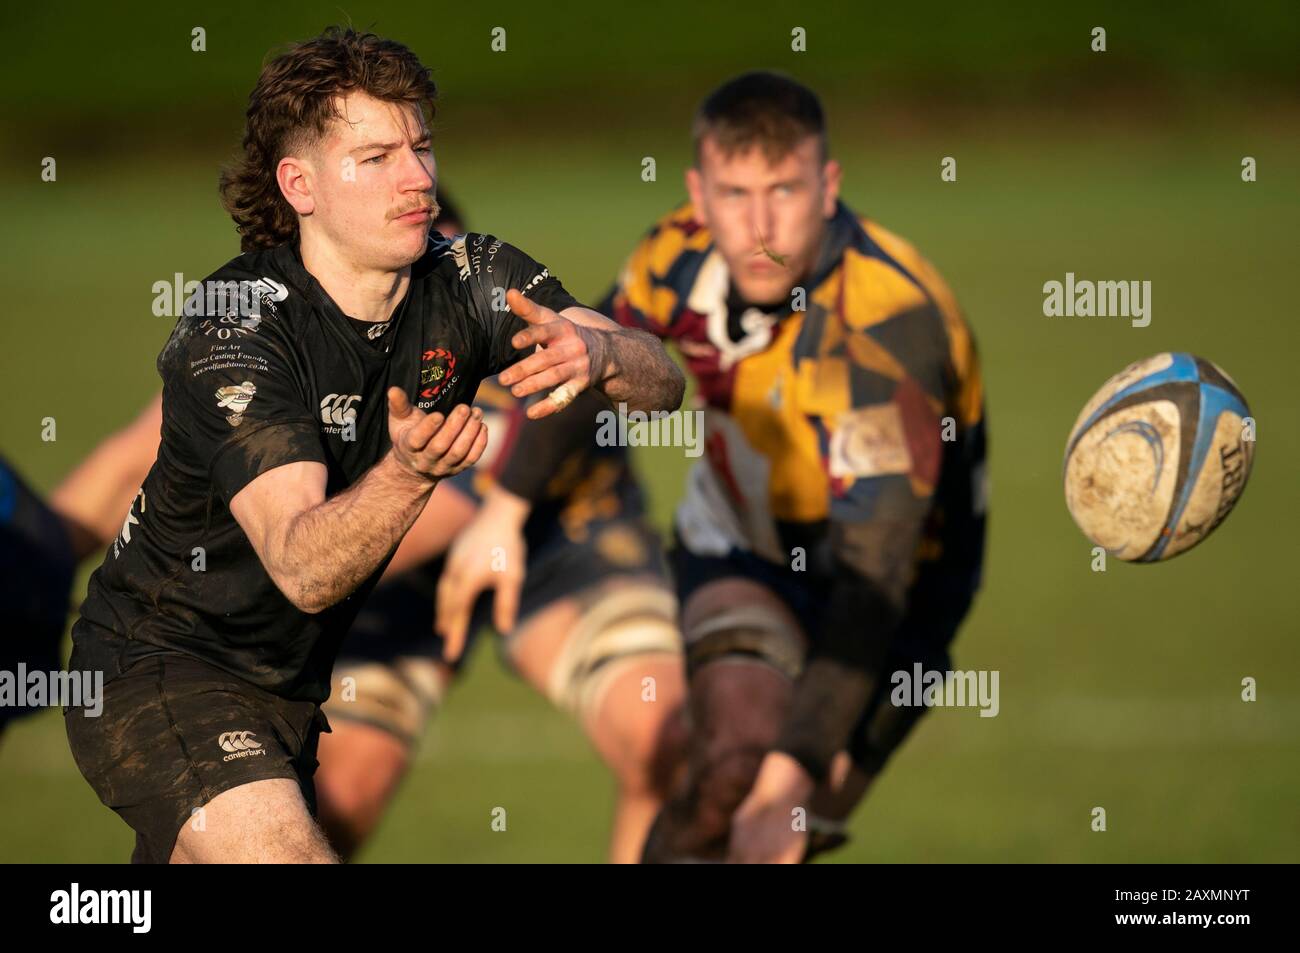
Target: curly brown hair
point(291, 107)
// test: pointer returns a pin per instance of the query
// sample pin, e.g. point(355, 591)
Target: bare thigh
point(636, 723)
point(262, 822)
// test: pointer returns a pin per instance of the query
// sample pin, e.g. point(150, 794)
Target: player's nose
point(765, 216)
point(417, 175)
point(762, 221)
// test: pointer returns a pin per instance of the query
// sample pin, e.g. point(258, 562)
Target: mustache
point(767, 252)
point(431, 204)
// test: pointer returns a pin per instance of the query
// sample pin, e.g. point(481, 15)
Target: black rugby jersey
point(266, 371)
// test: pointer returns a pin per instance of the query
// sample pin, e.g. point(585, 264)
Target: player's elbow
point(309, 604)
point(651, 381)
point(668, 388)
point(306, 595)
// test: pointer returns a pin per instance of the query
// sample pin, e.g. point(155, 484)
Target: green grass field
point(1120, 689)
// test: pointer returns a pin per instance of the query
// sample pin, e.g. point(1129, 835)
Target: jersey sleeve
point(234, 399)
point(538, 448)
point(498, 267)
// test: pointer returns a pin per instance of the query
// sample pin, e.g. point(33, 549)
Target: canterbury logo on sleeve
point(338, 409)
point(238, 741)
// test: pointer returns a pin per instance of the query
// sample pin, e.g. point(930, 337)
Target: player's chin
point(407, 243)
point(765, 287)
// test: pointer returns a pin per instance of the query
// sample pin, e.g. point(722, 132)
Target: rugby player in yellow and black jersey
point(295, 452)
point(832, 532)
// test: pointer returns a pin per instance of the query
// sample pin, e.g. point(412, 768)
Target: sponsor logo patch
point(236, 398)
point(868, 442)
point(437, 373)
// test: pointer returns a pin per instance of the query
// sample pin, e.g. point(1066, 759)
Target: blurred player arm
point(93, 499)
point(873, 567)
point(443, 518)
point(538, 447)
point(541, 443)
point(532, 456)
point(491, 552)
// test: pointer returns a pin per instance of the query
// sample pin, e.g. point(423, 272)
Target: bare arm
point(635, 367)
point(320, 550)
point(491, 553)
point(94, 497)
point(447, 513)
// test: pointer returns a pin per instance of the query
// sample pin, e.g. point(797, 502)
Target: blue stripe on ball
point(1181, 370)
point(1215, 401)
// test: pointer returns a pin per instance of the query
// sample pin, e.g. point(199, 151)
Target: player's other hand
point(433, 445)
point(488, 554)
point(571, 358)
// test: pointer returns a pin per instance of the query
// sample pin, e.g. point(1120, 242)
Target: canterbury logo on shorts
point(239, 743)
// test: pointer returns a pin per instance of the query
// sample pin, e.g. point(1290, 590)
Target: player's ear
point(695, 189)
point(831, 174)
point(295, 184)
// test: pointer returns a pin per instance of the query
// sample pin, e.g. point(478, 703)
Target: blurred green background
point(1118, 689)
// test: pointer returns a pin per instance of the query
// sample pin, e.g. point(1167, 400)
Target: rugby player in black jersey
point(295, 454)
point(596, 619)
point(594, 630)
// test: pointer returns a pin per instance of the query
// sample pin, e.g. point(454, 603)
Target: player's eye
point(424, 148)
point(376, 160)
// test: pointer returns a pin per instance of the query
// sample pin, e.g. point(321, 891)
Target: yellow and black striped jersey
point(858, 406)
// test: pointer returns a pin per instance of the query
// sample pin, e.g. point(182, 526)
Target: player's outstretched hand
point(571, 359)
point(434, 445)
point(489, 553)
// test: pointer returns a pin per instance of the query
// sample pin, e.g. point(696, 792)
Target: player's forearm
point(843, 670)
point(828, 701)
point(443, 518)
point(636, 370)
point(326, 552)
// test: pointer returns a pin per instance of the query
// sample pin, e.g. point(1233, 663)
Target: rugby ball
point(1158, 457)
